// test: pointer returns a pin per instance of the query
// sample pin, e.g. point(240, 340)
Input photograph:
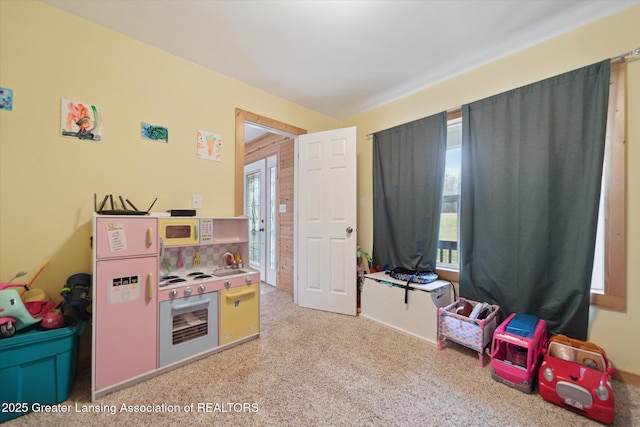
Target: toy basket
point(474, 334)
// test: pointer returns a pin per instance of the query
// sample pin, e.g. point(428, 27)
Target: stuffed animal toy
point(76, 299)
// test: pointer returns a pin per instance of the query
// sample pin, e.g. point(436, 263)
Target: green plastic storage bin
point(37, 367)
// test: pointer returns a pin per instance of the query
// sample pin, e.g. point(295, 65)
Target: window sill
point(448, 273)
point(610, 302)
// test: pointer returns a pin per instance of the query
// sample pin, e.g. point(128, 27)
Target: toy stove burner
point(198, 275)
point(170, 280)
point(203, 276)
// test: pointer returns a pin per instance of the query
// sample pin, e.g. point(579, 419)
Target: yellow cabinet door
point(239, 312)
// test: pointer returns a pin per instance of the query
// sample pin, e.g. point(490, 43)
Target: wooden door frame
point(243, 116)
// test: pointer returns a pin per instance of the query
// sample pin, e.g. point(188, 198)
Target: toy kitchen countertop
point(176, 285)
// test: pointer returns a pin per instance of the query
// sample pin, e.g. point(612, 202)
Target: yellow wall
point(47, 182)
point(603, 39)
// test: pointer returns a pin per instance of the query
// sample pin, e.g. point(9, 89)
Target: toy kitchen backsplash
point(180, 261)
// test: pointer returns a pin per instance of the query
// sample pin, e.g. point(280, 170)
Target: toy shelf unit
point(517, 349)
point(475, 334)
point(235, 230)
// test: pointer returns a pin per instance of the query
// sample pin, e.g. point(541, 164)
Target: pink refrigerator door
point(122, 237)
point(126, 316)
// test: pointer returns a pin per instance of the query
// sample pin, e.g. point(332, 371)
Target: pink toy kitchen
point(168, 291)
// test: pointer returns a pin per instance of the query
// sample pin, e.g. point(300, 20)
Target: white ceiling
point(341, 58)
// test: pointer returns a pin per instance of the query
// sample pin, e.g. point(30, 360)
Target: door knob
point(349, 230)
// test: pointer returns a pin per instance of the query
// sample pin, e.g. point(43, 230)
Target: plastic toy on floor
point(516, 351)
point(76, 299)
point(474, 333)
point(576, 375)
point(20, 311)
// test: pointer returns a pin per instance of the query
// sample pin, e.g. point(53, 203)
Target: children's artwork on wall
point(154, 132)
point(81, 120)
point(209, 146)
point(6, 99)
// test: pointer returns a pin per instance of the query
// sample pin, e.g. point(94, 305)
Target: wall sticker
point(154, 132)
point(81, 120)
point(6, 99)
point(209, 146)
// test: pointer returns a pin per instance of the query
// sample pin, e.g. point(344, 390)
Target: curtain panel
point(408, 175)
point(531, 175)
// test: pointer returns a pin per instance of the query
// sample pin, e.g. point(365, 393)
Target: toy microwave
point(516, 351)
point(180, 231)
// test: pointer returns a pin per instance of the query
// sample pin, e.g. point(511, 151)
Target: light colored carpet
point(312, 368)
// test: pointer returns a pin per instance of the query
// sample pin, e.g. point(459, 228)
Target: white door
point(326, 222)
point(260, 206)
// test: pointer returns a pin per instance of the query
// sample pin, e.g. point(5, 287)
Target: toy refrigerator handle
point(150, 286)
point(149, 236)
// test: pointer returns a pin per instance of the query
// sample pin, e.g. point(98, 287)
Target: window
point(609, 276)
point(608, 282)
point(447, 260)
point(253, 212)
point(271, 262)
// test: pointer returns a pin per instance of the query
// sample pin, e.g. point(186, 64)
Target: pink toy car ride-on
point(18, 312)
point(576, 375)
point(516, 351)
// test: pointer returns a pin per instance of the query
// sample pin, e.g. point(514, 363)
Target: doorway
point(283, 140)
point(260, 190)
point(277, 139)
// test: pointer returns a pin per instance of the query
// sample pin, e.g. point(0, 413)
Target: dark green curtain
point(408, 174)
point(531, 174)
